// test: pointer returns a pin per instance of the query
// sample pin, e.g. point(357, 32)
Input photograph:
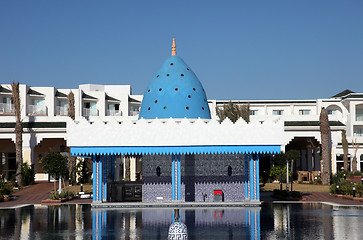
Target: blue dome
point(175, 92)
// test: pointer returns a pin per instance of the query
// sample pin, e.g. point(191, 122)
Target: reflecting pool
point(271, 221)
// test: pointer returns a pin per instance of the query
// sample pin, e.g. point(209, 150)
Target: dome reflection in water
point(177, 230)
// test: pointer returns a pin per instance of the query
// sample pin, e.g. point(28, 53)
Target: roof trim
point(4, 90)
point(35, 125)
point(352, 95)
point(108, 98)
point(342, 94)
point(167, 150)
point(310, 123)
point(32, 92)
point(86, 96)
point(60, 94)
point(133, 100)
point(265, 101)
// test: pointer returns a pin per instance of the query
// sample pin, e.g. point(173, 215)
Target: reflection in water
point(278, 221)
point(177, 229)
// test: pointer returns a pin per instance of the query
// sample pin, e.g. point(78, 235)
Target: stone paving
point(34, 194)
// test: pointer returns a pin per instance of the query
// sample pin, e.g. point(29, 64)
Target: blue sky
point(238, 49)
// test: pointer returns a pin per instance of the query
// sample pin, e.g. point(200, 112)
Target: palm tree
point(325, 146)
point(234, 112)
point(345, 149)
point(72, 115)
point(18, 132)
point(71, 108)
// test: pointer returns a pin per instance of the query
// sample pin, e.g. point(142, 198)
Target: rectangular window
point(111, 106)
point(253, 112)
point(304, 112)
point(38, 102)
point(330, 112)
point(277, 112)
point(62, 103)
point(6, 100)
point(87, 105)
point(358, 132)
point(359, 114)
point(93, 106)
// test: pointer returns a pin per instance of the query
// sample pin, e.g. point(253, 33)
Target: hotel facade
point(44, 113)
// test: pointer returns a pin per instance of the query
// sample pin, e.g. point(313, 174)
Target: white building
point(44, 113)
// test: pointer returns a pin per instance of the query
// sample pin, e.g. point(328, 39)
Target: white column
point(133, 168)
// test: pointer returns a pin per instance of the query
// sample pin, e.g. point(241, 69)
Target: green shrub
point(357, 173)
point(54, 196)
point(276, 172)
point(28, 174)
point(346, 188)
point(66, 194)
point(6, 188)
point(55, 164)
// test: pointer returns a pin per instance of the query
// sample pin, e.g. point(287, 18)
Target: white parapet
point(173, 132)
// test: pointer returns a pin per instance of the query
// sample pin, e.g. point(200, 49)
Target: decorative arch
point(309, 148)
point(334, 110)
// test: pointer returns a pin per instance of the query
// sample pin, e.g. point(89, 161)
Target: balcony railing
point(134, 113)
point(113, 113)
point(7, 108)
point(37, 110)
point(90, 112)
point(61, 111)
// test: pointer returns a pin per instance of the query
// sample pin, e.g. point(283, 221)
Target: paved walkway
point(326, 197)
point(314, 197)
point(34, 194)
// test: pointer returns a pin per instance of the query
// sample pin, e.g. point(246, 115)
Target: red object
point(217, 192)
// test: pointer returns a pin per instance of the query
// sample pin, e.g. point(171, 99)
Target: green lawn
point(77, 188)
point(305, 188)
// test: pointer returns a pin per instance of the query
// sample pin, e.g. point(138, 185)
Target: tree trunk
point(325, 147)
point(354, 164)
point(345, 150)
point(18, 132)
point(71, 108)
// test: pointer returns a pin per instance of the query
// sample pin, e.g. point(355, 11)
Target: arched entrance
point(47, 145)
point(8, 159)
point(309, 149)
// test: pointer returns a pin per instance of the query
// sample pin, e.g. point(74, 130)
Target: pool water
point(270, 221)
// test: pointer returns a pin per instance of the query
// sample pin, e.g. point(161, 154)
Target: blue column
point(258, 177)
point(94, 177)
point(173, 176)
point(99, 178)
point(252, 175)
point(179, 178)
point(99, 225)
point(246, 176)
point(253, 226)
point(247, 213)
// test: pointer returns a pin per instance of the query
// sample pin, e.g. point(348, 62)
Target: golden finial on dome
point(173, 48)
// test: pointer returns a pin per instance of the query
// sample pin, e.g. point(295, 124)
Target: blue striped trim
point(167, 150)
